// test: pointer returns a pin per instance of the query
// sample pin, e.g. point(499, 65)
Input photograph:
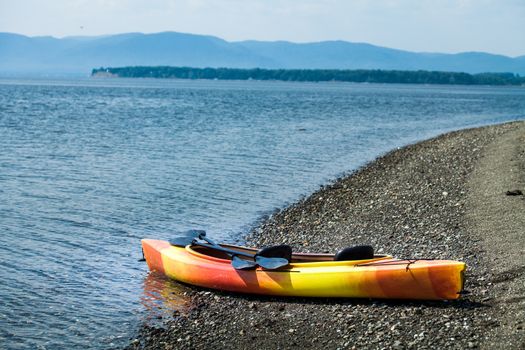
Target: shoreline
point(438, 199)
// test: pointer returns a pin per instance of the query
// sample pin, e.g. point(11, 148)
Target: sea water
point(89, 167)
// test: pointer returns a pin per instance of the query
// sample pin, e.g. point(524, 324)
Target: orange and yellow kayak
point(310, 275)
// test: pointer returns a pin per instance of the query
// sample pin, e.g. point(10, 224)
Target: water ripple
point(88, 167)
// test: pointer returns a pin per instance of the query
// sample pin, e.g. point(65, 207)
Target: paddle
point(237, 263)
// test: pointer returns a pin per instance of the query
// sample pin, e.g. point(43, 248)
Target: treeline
point(315, 75)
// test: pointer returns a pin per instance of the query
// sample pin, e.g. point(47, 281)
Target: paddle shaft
point(237, 263)
point(222, 249)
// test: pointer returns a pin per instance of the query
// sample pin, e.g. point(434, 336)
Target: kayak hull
point(381, 277)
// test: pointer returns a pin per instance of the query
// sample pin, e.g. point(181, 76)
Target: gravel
point(416, 201)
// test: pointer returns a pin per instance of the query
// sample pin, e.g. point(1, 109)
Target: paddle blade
point(195, 233)
point(270, 263)
point(241, 264)
point(181, 241)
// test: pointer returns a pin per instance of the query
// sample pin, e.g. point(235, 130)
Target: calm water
point(89, 167)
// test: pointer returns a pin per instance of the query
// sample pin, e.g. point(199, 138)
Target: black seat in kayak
point(360, 252)
point(276, 251)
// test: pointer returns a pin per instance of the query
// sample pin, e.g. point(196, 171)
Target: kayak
point(309, 275)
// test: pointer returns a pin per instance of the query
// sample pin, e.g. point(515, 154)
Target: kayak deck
point(310, 275)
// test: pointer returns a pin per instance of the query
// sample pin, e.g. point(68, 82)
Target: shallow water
point(89, 167)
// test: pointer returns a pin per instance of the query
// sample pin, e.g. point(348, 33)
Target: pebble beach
point(454, 197)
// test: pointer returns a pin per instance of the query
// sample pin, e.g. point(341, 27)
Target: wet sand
point(444, 198)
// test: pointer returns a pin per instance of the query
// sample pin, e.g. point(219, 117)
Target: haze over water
point(89, 167)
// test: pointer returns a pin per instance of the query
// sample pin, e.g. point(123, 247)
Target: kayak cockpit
point(206, 252)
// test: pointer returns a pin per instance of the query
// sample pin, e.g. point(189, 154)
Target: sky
point(449, 26)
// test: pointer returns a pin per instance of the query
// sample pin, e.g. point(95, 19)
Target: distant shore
point(312, 75)
point(452, 197)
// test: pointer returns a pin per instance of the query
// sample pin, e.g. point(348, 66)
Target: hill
point(22, 55)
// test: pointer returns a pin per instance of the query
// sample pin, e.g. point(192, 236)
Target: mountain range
point(23, 55)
